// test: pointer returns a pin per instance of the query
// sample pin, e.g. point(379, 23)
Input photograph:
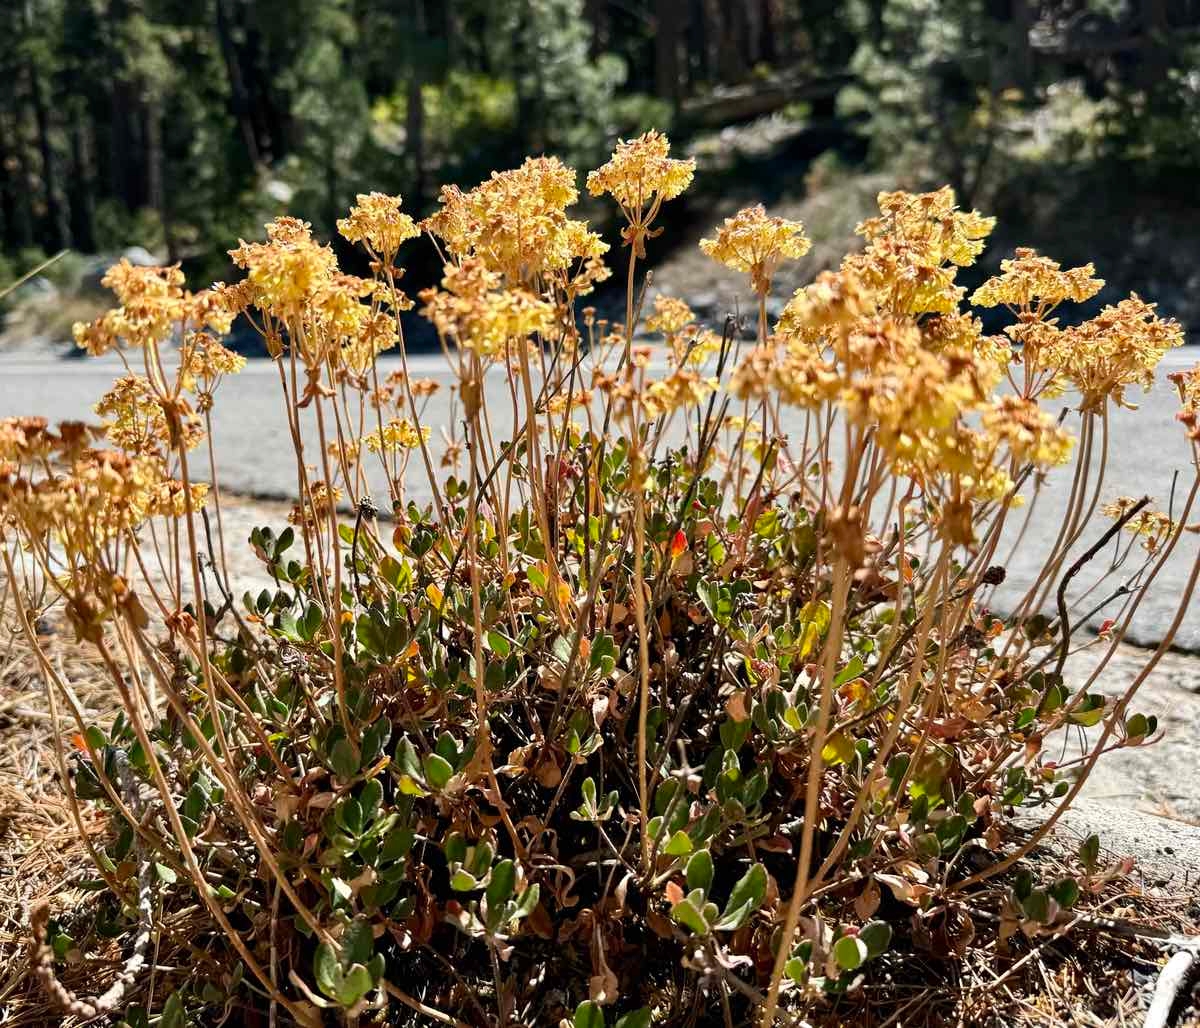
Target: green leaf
point(688, 914)
point(355, 985)
point(463, 881)
point(1138, 727)
point(528, 900)
point(165, 874)
point(850, 672)
point(635, 1019)
point(342, 759)
point(588, 1015)
point(734, 917)
point(795, 969)
point(850, 952)
point(358, 944)
point(173, 1014)
point(1089, 852)
point(1037, 906)
point(700, 872)
point(313, 617)
point(349, 815)
point(680, 845)
point(437, 771)
point(751, 889)
point(1065, 892)
point(327, 970)
point(498, 644)
point(877, 936)
point(370, 798)
point(501, 884)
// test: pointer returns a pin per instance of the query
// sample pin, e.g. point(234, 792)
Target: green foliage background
point(181, 124)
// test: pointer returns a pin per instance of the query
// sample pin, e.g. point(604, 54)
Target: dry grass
point(41, 853)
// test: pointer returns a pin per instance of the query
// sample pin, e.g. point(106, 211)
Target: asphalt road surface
point(254, 457)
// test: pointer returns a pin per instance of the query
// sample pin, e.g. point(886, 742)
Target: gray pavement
point(254, 456)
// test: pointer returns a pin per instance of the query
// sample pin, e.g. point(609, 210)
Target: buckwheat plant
point(679, 701)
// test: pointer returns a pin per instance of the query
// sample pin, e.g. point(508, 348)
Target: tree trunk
point(414, 133)
point(239, 96)
point(731, 43)
point(58, 232)
point(699, 58)
point(81, 193)
point(14, 192)
point(668, 17)
point(596, 12)
point(414, 116)
point(156, 183)
point(769, 22)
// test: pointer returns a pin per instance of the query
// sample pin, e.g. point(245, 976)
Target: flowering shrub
point(653, 701)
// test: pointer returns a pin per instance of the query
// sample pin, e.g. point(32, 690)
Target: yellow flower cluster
point(205, 360)
point(1154, 526)
point(756, 244)
point(397, 434)
point(1030, 434)
point(377, 222)
point(1119, 347)
point(284, 273)
point(516, 224)
point(930, 225)
point(1028, 277)
point(641, 173)
point(327, 315)
point(153, 305)
point(884, 340)
point(671, 316)
point(914, 249)
point(474, 312)
point(682, 388)
point(136, 421)
point(690, 344)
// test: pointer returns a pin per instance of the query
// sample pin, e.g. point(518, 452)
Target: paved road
point(254, 453)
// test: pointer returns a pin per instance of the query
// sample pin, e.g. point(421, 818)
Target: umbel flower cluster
point(664, 689)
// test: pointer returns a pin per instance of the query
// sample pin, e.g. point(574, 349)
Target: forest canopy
point(172, 123)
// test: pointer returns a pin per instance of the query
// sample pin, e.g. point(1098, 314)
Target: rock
point(95, 266)
point(36, 290)
point(1167, 851)
point(140, 257)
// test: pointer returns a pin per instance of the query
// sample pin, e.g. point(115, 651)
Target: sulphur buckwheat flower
point(670, 316)
point(1028, 276)
point(756, 244)
point(377, 222)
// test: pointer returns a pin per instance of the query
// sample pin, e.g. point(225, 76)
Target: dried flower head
point(1119, 347)
point(153, 306)
point(756, 244)
point(285, 272)
point(475, 313)
point(516, 222)
point(1153, 526)
point(670, 316)
point(377, 222)
point(1028, 277)
point(1188, 384)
